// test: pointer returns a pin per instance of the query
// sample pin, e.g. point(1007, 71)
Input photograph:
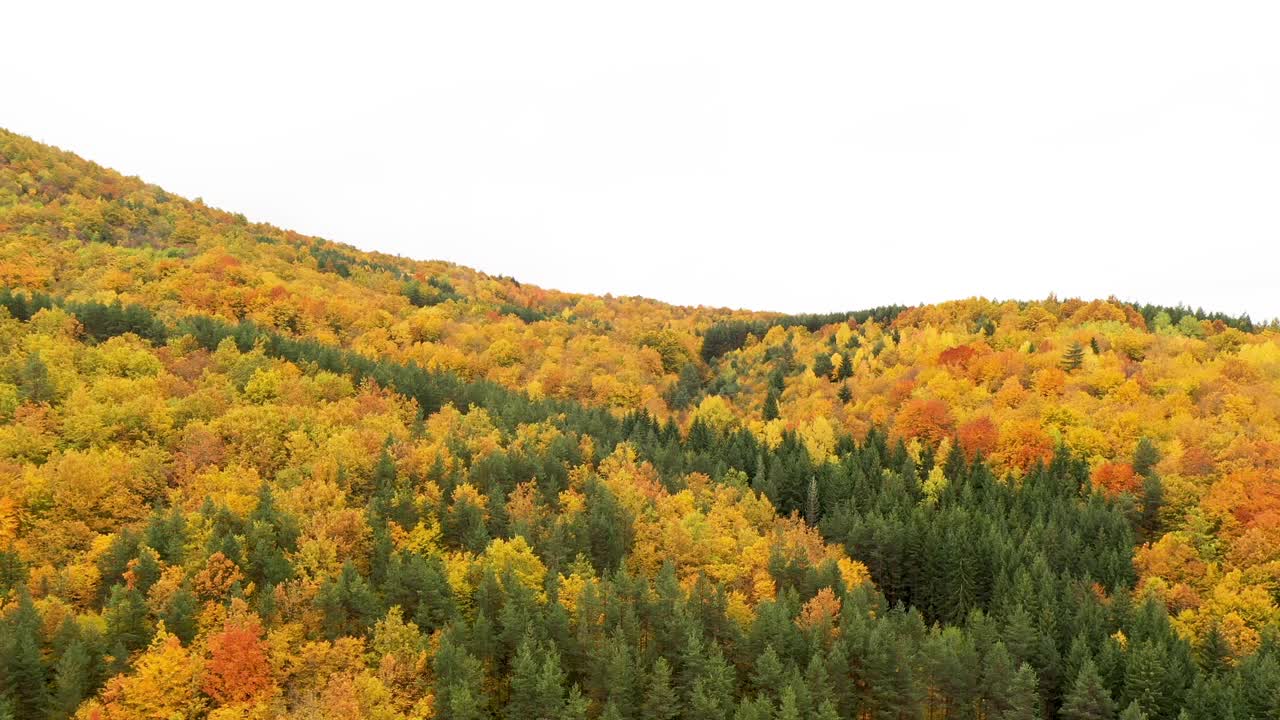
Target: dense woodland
point(250, 474)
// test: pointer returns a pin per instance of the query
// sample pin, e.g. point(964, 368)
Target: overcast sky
point(784, 156)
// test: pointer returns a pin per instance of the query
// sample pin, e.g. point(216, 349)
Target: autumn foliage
point(246, 473)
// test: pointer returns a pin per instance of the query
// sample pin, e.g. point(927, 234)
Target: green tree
point(1088, 699)
point(34, 383)
point(688, 387)
point(1145, 457)
point(22, 672)
point(1023, 701)
point(660, 701)
point(537, 683)
point(770, 409)
point(1133, 712)
point(822, 366)
point(1073, 358)
point(348, 603)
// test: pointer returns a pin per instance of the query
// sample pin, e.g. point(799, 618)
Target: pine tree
point(1152, 502)
point(1133, 712)
point(711, 696)
point(71, 681)
point(822, 366)
point(1213, 654)
point(770, 409)
point(575, 706)
point(660, 701)
point(767, 673)
point(1144, 677)
point(997, 679)
point(463, 704)
point(1145, 457)
point(1073, 358)
point(1023, 701)
point(23, 678)
point(788, 709)
point(34, 384)
point(536, 683)
point(459, 681)
point(1088, 699)
point(688, 387)
point(846, 367)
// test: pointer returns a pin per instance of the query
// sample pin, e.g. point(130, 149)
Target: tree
point(1133, 712)
point(1144, 678)
point(348, 603)
point(22, 672)
point(1073, 358)
point(688, 387)
point(1023, 702)
point(34, 383)
point(537, 683)
point(660, 701)
point(1088, 699)
point(1145, 457)
point(71, 680)
point(770, 409)
point(237, 669)
point(1152, 502)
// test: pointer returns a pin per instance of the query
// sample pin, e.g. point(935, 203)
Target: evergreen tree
point(770, 409)
point(526, 670)
point(71, 681)
point(34, 383)
point(459, 681)
point(348, 603)
point(1145, 457)
point(1073, 358)
point(711, 696)
point(846, 367)
point(1133, 712)
point(179, 615)
point(1144, 681)
point(575, 706)
point(822, 366)
point(1152, 502)
point(688, 387)
point(1023, 701)
point(660, 701)
point(1213, 654)
point(1088, 699)
point(126, 619)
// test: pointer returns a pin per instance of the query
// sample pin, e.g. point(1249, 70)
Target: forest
point(246, 473)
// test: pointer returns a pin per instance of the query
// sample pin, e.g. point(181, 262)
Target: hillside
point(246, 473)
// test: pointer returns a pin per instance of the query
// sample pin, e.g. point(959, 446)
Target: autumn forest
point(246, 473)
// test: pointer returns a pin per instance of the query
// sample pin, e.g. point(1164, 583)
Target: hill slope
point(248, 473)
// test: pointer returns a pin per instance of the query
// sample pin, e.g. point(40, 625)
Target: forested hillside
point(246, 473)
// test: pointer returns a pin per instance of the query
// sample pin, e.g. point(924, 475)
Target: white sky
point(785, 156)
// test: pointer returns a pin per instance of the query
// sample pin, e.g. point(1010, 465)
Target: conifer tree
point(1088, 699)
point(71, 682)
point(1133, 712)
point(660, 701)
point(1073, 358)
point(1023, 702)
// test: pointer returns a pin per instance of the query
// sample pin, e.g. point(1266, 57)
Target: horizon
point(1261, 321)
point(840, 157)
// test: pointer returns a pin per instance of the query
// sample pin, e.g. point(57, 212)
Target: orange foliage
point(1114, 478)
point(237, 669)
point(929, 420)
point(979, 435)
